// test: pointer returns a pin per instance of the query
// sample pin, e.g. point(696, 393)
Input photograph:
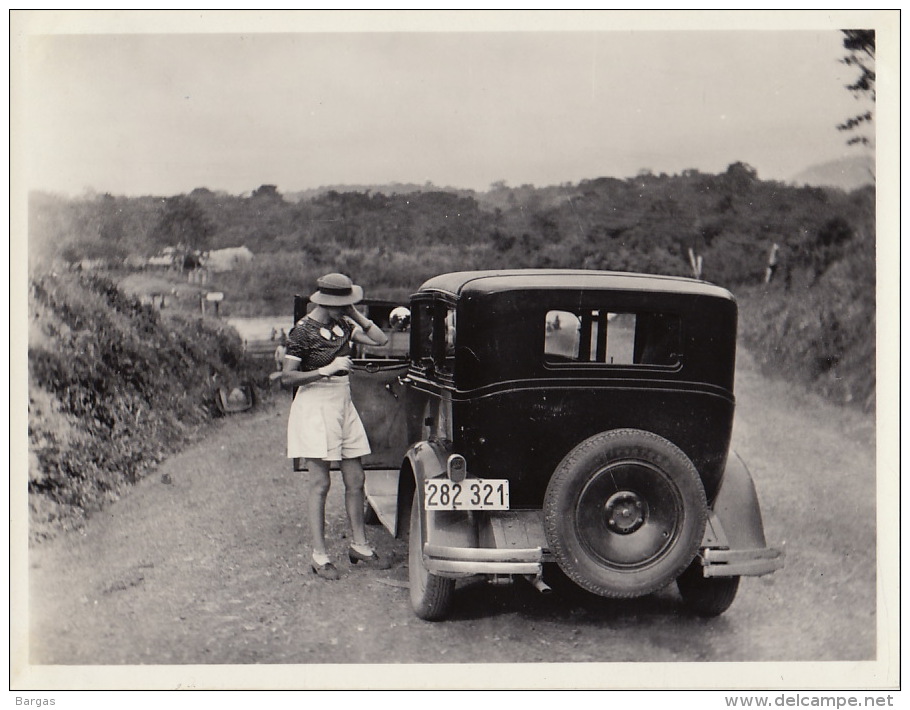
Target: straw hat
point(336, 290)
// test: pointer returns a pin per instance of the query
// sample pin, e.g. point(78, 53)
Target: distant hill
point(847, 173)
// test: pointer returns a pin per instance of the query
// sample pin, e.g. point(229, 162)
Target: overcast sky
point(163, 113)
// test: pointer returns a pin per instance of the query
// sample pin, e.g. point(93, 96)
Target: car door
point(380, 396)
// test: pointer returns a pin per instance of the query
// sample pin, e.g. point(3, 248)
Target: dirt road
point(211, 568)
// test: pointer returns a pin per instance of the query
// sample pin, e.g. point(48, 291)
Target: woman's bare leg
point(353, 476)
point(319, 484)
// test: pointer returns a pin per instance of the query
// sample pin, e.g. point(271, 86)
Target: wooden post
point(772, 263)
point(696, 263)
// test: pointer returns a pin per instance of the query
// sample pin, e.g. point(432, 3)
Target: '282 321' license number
point(470, 494)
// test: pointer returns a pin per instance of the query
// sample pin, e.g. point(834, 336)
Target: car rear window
point(604, 337)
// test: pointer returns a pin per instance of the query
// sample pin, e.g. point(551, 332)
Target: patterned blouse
point(317, 344)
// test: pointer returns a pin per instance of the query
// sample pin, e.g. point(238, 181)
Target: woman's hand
point(356, 316)
point(339, 364)
point(372, 333)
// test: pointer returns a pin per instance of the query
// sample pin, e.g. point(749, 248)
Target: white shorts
point(323, 423)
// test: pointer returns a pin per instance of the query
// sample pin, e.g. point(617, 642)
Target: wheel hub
point(628, 515)
point(624, 512)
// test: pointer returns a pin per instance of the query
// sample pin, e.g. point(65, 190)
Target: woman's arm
point(372, 334)
point(291, 376)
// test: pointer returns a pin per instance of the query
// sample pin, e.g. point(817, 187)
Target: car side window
point(433, 337)
point(601, 336)
point(563, 336)
point(422, 332)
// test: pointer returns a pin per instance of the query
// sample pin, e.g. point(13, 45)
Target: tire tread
point(706, 596)
point(435, 602)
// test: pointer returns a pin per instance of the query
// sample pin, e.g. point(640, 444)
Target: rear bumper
point(740, 563)
point(457, 561)
point(514, 543)
point(742, 552)
point(508, 542)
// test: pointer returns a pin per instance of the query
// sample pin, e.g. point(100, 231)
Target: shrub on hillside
point(821, 330)
point(113, 388)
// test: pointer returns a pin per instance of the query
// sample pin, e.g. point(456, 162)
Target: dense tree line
point(646, 223)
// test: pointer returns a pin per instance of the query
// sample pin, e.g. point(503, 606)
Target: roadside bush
point(820, 333)
point(113, 389)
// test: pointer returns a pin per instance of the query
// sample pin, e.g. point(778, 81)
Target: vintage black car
point(567, 420)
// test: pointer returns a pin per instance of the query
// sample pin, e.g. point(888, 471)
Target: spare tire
point(625, 513)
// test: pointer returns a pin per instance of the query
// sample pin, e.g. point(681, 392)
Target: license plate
point(470, 494)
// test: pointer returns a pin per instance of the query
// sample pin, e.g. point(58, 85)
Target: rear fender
point(424, 460)
point(736, 517)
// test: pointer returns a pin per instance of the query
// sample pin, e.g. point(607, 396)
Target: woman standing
point(323, 425)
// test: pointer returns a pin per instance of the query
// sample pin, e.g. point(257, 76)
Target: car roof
point(461, 282)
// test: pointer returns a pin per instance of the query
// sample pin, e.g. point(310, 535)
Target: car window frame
point(578, 364)
point(439, 364)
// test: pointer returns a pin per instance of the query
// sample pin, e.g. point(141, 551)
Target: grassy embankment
point(819, 335)
point(115, 386)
